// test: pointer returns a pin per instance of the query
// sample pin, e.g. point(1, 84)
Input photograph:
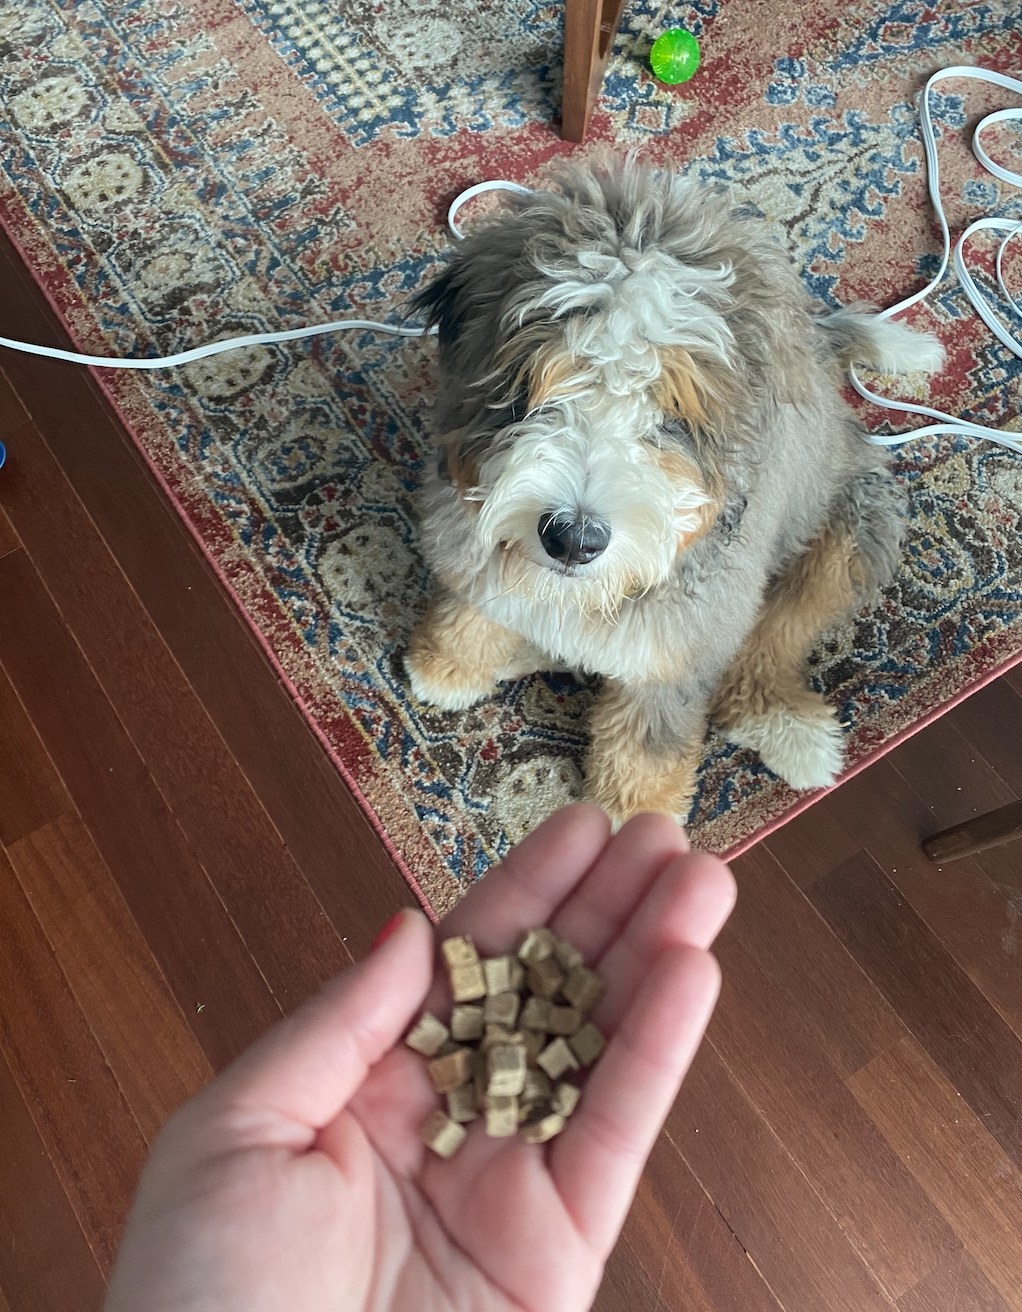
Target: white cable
point(950, 425)
point(260, 339)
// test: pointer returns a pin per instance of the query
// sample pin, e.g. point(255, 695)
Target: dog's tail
point(860, 336)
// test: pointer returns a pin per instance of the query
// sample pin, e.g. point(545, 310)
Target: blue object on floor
point(3, 454)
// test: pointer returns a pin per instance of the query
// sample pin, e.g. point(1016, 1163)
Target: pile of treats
point(518, 1028)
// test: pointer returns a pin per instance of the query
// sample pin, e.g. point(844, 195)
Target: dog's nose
point(573, 542)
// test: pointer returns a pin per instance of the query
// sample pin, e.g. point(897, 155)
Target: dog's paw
point(806, 750)
point(444, 685)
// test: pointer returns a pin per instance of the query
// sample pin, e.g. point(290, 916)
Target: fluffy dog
point(647, 472)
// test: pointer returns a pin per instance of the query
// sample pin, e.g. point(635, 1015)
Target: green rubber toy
point(674, 56)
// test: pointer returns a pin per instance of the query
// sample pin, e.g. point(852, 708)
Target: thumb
point(308, 1066)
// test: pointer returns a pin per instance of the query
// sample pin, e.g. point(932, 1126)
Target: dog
point(647, 472)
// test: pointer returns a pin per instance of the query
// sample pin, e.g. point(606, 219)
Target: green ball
point(674, 56)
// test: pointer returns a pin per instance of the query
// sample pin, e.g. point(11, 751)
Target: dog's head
point(601, 347)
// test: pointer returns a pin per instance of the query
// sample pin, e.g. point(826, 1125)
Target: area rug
point(176, 171)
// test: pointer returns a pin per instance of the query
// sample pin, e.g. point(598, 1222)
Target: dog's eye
point(672, 433)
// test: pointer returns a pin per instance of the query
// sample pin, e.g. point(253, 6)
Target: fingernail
point(387, 930)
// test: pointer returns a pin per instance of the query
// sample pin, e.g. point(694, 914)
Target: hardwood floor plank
point(8, 538)
point(937, 1001)
point(190, 932)
point(685, 1244)
point(768, 1028)
point(794, 1242)
point(153, 1055)
point(32, 793)
point(254, 875)
point(46, 1264)
point(79, 1111)
point(948, 1148)
point(967, 910)
point(959, 1285)
point(986, 721)
point(790, 945)
point(953, 792)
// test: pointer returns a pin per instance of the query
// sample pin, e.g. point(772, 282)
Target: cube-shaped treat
point(501, 1009)
point(538, 1086)
point(563, 1020)
point(534, 1043)
point(583, 988)
point(467, 982)
point(449, 1072)
point(461, 1104)
point(466, 1022)
point(501, 1117)
point(587, 1044)
point(535, 1014)
point(497, 971)
point(506, 1067)
point(567, 956)
point(564, 1098)
point(459, 952)
point(545, 977)
point(557, 1058)
point(536, 945)
point(441, 1134)
point(495, 1033)
point(542, 1130)
point(428, 1035)
point(516, 981)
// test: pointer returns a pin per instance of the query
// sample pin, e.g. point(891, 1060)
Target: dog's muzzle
point(573, 542)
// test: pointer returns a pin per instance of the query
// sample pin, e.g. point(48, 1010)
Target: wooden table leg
point(989, 830)
point(589, 30)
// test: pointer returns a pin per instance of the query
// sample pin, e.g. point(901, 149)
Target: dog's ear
point(443, 305)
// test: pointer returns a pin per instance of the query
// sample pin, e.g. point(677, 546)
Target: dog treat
point(518, 1026)
point(450, 1071)
point(466, 1024)
point(557, 1058)
point(429, 1035)
point(441, 1134)
point(587, 1044)
point(501, 1009)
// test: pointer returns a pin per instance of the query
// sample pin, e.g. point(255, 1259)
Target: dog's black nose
point(573, 542)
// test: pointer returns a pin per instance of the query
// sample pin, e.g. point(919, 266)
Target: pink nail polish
point(387, 930)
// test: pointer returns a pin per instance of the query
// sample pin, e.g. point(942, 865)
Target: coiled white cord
point(949, 423)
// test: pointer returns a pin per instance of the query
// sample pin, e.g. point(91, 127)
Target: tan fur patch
point(553, 374)
point(622, 775)
point(818, 591)
point(683, 392)
point(456, 652)
point(461, 471)
point(684, 472)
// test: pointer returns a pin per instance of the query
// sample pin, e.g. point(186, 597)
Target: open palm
point(297, 1179)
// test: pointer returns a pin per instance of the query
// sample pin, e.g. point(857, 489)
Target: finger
point(596, 1163)
point(532, 880)
point(593, 915)
point(306, 1068)
point(686, 906)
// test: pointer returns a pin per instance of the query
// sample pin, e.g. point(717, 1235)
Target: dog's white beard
point(561, 465)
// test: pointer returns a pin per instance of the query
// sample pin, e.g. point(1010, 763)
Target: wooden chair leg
point(989, 830)
point(589, 30)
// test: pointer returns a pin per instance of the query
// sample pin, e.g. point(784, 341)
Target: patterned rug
point(181, 170)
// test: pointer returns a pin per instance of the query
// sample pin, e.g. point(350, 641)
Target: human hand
point(296, 1181)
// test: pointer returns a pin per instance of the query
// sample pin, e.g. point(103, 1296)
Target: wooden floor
point(179, 864)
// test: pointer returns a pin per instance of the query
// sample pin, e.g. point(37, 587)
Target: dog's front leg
point(457, 655)
point(647, 744)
